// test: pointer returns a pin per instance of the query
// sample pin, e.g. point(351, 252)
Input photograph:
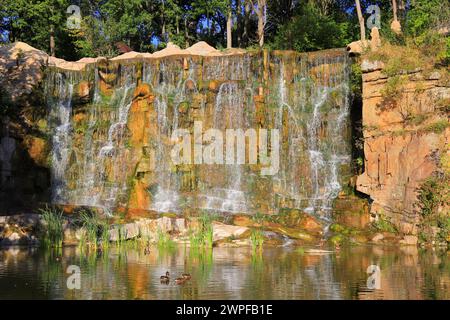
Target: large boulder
point(358, 47)
point(124, 232)
point(20, 68)
point(223, 231)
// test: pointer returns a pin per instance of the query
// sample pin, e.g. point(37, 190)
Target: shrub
point(382, 224)
point(433, 196)
point(437, 127)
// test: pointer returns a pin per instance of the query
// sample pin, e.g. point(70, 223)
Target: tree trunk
point(52, 41)
point(208, 23)
point(247, 11)
point(229, 26)
point(12, 35)
point(261, 20)
point(394, 9)
point(239, 23)
point(361, 21)
point(186, 34)
point(395, 25)
point(163, 30)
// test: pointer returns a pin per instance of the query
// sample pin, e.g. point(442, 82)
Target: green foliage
point(310, 30)
point(337, 228)
point(424, 15)
point(382, 224)
point(356, 80)
point(53, 224)
point(31, 21)
point(337, 239)
point(393, 87)
point(95, 229)
point(6, 105)
point(163, 240)
point(437, 127)
point(204, 235)
point(256, 239)
point(433, 196)
point(416, 119)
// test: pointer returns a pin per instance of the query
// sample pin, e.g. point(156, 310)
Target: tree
point(229, 26)
point(395, 25)
point(261, 13)
point(361, 20)
point(40, 23)
point(308, 29)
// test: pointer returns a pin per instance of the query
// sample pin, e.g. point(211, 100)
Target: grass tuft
point(54, 232)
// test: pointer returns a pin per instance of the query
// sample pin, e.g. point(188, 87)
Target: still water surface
point(226, 273)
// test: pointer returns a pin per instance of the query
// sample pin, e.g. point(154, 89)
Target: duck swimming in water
point(186, 276)
point(180, 280)
point(166, 278)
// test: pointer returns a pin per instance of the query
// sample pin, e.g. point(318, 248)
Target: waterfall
point(60, 116)
point(303, 96)
point(228, 114)
point(170, 88)
point(314, 106)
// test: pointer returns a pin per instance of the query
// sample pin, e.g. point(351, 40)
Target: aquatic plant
point(90, 225)
point(257, 239)
point(54, 231)
point(163, 239)
point(204, 236)
point(95, 230)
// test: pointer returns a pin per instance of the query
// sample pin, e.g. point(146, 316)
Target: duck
point(186, 276)
point(180, 280)
point(165, 278)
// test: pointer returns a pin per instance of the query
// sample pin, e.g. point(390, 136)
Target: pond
point(225, 273)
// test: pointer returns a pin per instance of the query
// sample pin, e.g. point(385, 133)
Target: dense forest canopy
point(109, 26)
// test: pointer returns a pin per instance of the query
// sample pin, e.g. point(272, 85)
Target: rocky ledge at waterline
point(289, 228)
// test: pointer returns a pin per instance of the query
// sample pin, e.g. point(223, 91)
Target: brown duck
point(166, 278)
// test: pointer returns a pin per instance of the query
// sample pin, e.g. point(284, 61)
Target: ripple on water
point(225, 273)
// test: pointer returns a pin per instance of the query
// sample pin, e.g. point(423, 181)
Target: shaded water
point(226, 273)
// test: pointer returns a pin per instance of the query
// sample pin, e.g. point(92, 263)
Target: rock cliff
point(406, 136)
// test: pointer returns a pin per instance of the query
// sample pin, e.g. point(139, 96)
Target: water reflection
point(225, 273)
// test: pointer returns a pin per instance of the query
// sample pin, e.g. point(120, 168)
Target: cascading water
point(91, 162)
point(312, 108)
point(228, 114)
point(60, 114)
point(304, 96)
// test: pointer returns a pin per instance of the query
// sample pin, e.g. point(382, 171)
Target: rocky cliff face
point(102, 128)
point(406, 133)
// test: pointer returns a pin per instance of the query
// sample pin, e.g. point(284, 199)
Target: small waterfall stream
point(61, 113)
